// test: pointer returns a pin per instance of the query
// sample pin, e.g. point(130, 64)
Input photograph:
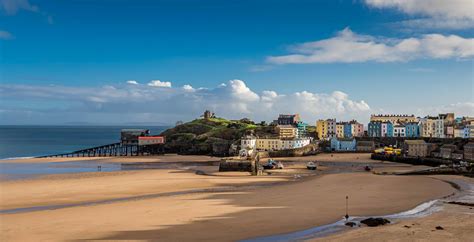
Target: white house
point(295, 143)
point(439, 128)
point(399, 131)
point(248, 145)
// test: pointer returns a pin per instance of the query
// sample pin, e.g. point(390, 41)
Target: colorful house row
point(329, 128)
point(441, 126)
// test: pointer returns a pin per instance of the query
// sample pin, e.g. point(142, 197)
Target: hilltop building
point(288, 119)
point(287, 131)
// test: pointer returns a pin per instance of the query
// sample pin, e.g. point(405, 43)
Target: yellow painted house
point(340, 130)
point(269, 144)
point(322, 129)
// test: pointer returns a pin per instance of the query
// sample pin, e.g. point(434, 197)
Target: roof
point(344, 139)
point(365, 143)
point(469, 145)
point(286, 126)
point(449, 146)
point(134, 130)
point(150, 137)
point(415, 142)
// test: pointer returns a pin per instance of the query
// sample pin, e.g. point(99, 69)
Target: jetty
point(133, 142)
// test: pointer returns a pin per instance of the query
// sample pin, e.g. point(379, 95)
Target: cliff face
point(211, 136)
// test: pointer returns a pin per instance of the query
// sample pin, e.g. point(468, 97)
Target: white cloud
point(158, 83)
point(5, 35)
point(11, 7)
point(459, 109)
point(349, 47)
point(437, 14)
point(233, 100)
point(448, 9)
point(188, 88)
point(132, 82)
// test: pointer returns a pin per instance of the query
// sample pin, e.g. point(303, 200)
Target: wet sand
point(457, 223)
point(240, 211)
point(120, 159)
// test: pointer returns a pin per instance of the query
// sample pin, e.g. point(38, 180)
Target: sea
point(19, 141)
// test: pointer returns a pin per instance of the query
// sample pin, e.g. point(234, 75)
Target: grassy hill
point(211, 136)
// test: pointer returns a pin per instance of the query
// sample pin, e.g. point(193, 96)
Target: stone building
point(419, 148)
point(447, 150)
point(469, 151)
point(365, 146)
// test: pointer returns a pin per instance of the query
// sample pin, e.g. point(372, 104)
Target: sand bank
point(229, 216)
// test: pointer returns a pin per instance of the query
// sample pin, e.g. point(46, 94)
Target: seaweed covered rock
point(374, 222)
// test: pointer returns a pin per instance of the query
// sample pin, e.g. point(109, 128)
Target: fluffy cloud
point(132, 82)
point(158, 83)
point(135, 103)
point(11, 7)
point(188, 88)
point(348, 47)
point(452, 14)
point(5, 35)
point(460, 109)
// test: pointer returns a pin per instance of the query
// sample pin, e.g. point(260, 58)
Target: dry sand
point(217, 216)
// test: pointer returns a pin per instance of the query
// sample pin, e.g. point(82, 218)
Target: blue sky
point(57, 47)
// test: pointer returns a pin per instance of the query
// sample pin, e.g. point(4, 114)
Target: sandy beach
point(180, 205)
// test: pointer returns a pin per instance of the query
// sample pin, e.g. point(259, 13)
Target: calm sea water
point(28, 141)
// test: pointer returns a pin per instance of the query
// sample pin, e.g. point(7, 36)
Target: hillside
point(211, 136)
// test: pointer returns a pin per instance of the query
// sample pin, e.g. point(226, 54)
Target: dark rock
point(199, 172)
point(406, 226)
point(439, 228)
point(351, 224)
point(374, 222)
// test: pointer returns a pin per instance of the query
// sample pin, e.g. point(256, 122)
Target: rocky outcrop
point(374, 222)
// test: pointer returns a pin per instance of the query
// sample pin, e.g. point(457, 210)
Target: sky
point(157, 62)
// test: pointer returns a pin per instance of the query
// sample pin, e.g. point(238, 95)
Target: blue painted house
point(380, 129)
point(374, 129)
point(387, 129)
point(412, 130)
point(345, 144)
point(347, 130)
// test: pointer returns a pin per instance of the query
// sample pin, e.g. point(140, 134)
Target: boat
point(271, 164)
point(311, 166)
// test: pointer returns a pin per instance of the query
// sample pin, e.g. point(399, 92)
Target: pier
point(133, 142)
